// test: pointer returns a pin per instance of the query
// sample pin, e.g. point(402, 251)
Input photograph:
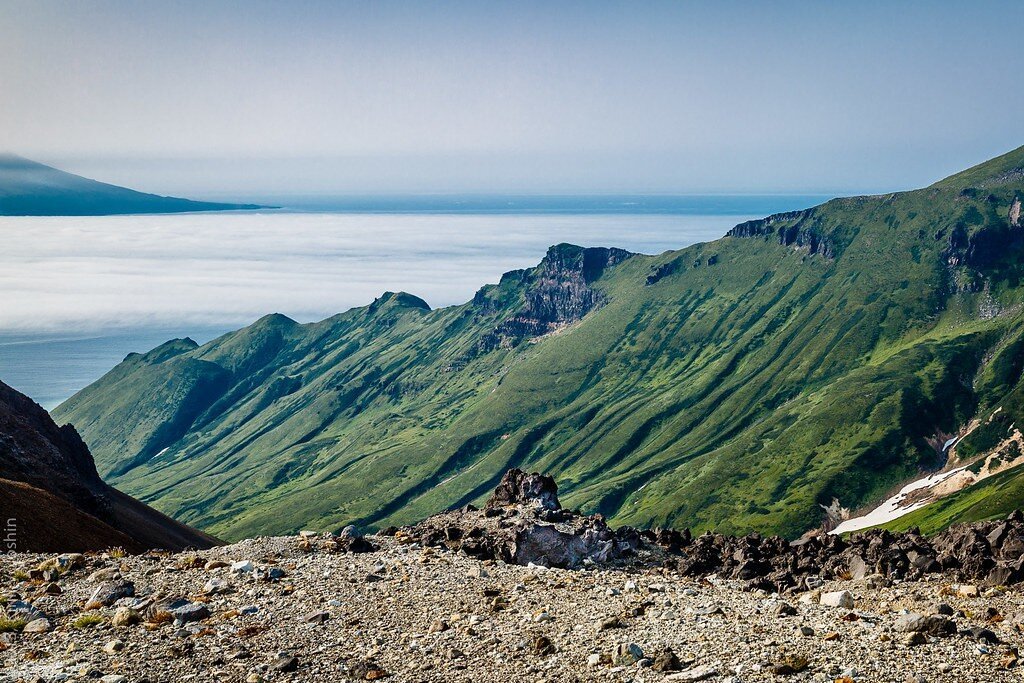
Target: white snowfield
point(894, 507)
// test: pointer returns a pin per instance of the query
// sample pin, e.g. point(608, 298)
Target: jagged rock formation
point(558, 293)
point(991, 553)
point(519, 488)
point(53, 498)
point(523, 523)
point(799, 229)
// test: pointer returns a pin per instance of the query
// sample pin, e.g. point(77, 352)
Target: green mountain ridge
point(28, 188)
point(737, 385)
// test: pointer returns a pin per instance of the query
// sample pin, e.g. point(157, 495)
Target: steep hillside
point(52, 499)
point(28, 188)
point(823, 354)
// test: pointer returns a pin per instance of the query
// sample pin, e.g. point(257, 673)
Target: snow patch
point(895, 507)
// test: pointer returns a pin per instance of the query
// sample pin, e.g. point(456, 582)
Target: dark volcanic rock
point(989, 552)
point(523, 523)
point(519, 488)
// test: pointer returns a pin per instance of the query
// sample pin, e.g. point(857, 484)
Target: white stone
point(698, 673)
point(837, 599)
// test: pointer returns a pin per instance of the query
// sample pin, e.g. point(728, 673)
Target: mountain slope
point(54, 500)
point(28, 188)
point(814, 355)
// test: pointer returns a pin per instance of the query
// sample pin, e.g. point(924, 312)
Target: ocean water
point(78, 294)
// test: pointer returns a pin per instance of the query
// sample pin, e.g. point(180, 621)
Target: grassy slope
point(753, 382)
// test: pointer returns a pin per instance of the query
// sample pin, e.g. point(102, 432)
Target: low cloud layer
point(92, 273)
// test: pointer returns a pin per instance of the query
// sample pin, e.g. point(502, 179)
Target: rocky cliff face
point(34, 450)
point(54, 500)
point(558, 292)
point(984, 245)
point(800, 229)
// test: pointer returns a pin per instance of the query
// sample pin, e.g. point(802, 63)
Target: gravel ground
point(410, 614)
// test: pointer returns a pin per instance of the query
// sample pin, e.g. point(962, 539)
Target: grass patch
point(85, 621)
point(11, 625)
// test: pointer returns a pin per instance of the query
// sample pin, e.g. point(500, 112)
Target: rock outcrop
point(523, 523)
point(991, 553)
point(800, 229)
point(557, 292)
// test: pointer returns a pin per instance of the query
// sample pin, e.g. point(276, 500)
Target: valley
point(734, 385)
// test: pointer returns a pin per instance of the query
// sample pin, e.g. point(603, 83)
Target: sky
point(254, 98)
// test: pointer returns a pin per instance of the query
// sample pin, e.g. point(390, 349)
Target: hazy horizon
point(243, 99)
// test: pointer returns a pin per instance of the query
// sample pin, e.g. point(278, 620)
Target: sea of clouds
point(61, 273)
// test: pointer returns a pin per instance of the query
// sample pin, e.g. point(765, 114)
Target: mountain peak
point(399, 300)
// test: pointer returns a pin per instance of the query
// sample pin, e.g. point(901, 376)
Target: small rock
point(215, 586)
point(365, 670)
point(108, 593)
point(107, 574)
point(915, 638)
point(967, 591)
point(316, 617)
point(19, 609)
point(784, 609)
point(789, 665)
point(242, 567)
point(40, 625)
point(697, 673)
point(666, 660)
point(125, 616)
point(285, 663)
point(979, 633)
point(628, 654)
point(113, 647)
point(837, 599)
point(933, 625)
point(543, 646)
point(185, 612)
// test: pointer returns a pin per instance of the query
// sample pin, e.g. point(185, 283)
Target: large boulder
point(519, 488)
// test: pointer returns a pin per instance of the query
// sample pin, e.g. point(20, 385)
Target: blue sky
point(211, 98)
